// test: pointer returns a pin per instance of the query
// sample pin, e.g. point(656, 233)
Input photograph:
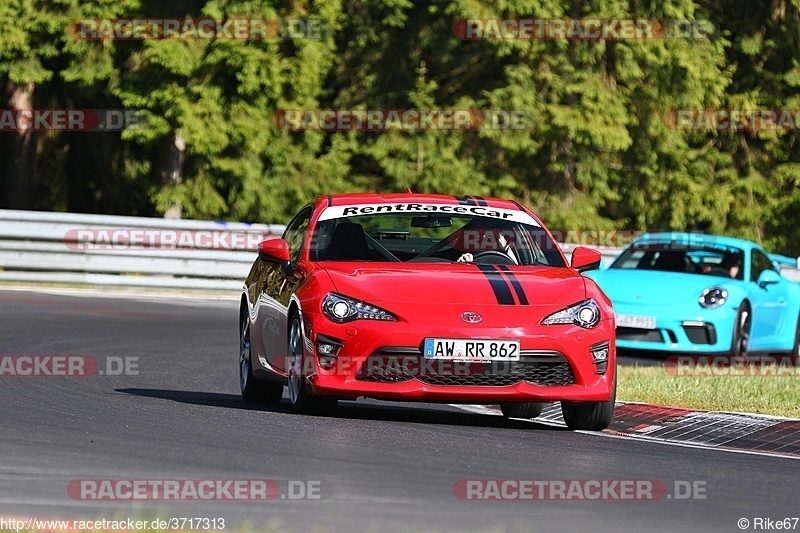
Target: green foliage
point(598, 150)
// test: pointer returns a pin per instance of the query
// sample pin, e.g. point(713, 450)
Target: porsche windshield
point(709, 260)
point(431, 238)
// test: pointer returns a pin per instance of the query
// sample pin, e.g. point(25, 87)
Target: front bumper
point(556, 363)
point(708, 331)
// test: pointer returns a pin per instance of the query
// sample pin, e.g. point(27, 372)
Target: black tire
point(740, 343)
point(522, 410)
point(590, 416)
point(254, 390)
point(301, 400)
point(796, 347)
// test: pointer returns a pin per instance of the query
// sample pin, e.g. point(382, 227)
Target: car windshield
point(433, 238)
point(710, 260)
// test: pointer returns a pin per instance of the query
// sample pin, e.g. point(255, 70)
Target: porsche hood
point(654, 288)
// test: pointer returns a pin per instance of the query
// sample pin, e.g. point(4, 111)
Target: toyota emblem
point(472, 318)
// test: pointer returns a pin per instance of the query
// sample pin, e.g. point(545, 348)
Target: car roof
point(697, 239)
point(378, 198)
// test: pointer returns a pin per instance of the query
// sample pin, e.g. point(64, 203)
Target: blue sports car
point(694, 293)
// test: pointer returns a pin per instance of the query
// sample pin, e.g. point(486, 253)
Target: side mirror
point(776, 266)
point(584, 259)
point(768, 277)
point(274, 250)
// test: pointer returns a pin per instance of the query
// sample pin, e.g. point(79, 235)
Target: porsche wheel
point(741, 331)
point(522, 410)
point(254, 390)
point(591, 416)
point(302, 401)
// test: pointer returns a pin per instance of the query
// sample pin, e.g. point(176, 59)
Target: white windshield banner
point(497, 213)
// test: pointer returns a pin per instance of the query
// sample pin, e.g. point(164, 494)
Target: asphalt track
point(383, 466)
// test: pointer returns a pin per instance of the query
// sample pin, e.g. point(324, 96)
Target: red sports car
point(430, 298)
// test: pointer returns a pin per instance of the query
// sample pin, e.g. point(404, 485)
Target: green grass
point(763, 394)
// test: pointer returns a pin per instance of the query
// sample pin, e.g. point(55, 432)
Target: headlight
point(713, 297)
point(585, 314)
point(342, 309)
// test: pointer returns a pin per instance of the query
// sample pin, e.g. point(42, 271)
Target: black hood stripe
point(523, 299)
point(499, 285)
point(465, 200)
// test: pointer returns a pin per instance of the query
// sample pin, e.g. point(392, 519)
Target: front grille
point(636, 334)
point(396, 365)
point(545, 374)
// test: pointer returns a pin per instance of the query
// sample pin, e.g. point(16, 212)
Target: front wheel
point(522, 410)
point(741, 331)
point(302, 401)
point(254, 390)
point(591, 416)
point(796, 347)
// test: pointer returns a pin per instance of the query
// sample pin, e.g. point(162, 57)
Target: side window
point(758, 264)
point(296, 232)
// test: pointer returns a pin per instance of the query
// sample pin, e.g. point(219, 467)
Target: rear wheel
point(302, 401)
point(796, 347)
point(591, 416)
point(522, 410)
point(254, 390)
point(741, 331)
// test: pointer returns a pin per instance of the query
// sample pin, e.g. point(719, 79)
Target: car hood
point(654, 288)
point(454, 283)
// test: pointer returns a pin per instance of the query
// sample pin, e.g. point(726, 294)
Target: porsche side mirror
point(584, 259)
point(767, 278)
point(275, 250)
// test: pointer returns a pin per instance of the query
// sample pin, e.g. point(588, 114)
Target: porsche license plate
point(472, 350)
point(636, 321)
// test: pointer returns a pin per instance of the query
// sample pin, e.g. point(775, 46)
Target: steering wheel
point(503, 258)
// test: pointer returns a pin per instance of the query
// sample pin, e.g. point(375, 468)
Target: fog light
point(600, 353)
point(327, 350)
point(323, 348)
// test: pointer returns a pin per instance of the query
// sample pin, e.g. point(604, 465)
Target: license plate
point(472, 350)
point(636, 321)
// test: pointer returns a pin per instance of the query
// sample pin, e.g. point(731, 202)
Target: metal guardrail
point(67, 248)
point(121, 251)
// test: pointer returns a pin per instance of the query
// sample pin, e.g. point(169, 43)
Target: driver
point(732, 262)
point(504, 246)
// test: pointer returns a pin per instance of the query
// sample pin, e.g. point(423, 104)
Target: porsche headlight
point(713, 297)
point(343, 309)
point(585, 314)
